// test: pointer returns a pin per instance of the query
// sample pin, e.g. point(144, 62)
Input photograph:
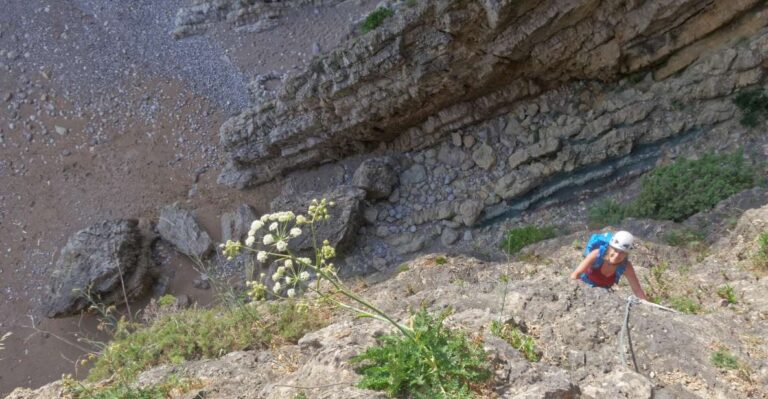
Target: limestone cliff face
point(441, 66)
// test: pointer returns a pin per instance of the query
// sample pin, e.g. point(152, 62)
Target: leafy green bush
point(198, 333)
point(436, 363)
point(518, 238)
point(762, 250)
point(166, 300)
point(677, 191)
point(726, 292)
point(723, 359)
point(517, 339)
point(684, 237)
point(754, 106)
point(606, 212)
point(376, 18)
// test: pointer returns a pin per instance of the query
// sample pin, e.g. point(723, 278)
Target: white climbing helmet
point(623, 241)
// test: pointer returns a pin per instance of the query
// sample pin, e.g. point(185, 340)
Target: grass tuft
point(376, 18)
point(518, 238)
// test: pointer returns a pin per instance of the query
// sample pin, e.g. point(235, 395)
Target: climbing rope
point(633, 300)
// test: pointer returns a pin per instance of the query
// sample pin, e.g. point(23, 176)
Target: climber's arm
point(585, 264)
point(634, 282)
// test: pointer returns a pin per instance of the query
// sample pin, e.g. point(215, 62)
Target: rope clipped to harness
point(633, 300)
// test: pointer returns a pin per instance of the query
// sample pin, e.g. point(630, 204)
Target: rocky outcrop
point(104, 263)
point(442, 66)
point(576, 329)
point(248, 15)
point(179, 227)
point(235, 225)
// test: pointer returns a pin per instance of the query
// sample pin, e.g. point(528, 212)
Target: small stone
point(469, 141)
point(202, 283)
point(415, 174)
point(61, 130)
point(371, 215)
point(484, 156)
point(467, 236)
point(456, 139)
point(470, 211)
point(449, 236)
point(316, 48)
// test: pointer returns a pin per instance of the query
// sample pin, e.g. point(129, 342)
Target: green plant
point(441, 260)
point(518, 238)
point(677, 191)
point(517, 339)
point(436, 363)
point(723, 359)
point(300, 395)
point(402, 268)
point(376, 18)
point(172, 386)
point(754, 106)
point(684, 304)
point(606, 212)
point(726, 292)
point(685, 238)
point(166, 300)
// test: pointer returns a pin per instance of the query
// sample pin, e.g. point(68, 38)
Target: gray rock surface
point(376, 176)
point(179, 227)
point(109, 261)
point(345, 218)
point(235, 225)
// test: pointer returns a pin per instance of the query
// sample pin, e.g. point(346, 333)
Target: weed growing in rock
point(518, 238)
point(727, 292)
point(761, 258)
point(754, 106)
point(723, 359)
point(376, 18)
point(166, 301)
point(171, 387)
point(659, 290)
point(402, 268)
point(517, 339)
point(684, 304)
point(440, 260)
point(441, 364)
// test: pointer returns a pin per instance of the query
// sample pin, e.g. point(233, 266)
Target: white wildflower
point(261, 256)
point(269, 239)
point(264, 218)
point(276, 287)
point(286, 216)
point(273, 226)
point(280, 271)
point(275, 277)
point(256, 225)
point(281, 245)
point(295, 232)
point(305, 261)
point(289, 264)
point(304, 276)
point(301, 220)
point(250, 241)
point(291, 293)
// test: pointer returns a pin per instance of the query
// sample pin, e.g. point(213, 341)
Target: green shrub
point(723, 359)
point(518, 238)
point(376, 18)
point(517, 339)
point(684, 304)
point(677, 191)
point(606, 212)
point(726, 292)
point(754, 106)
point(762, 246)
point(684, 238)
point(437, 363)
point(199, 333)
point(440, 260)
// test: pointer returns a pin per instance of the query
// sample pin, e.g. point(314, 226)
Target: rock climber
point(606, 260)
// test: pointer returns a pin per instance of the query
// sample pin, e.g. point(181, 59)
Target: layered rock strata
point(443, 66)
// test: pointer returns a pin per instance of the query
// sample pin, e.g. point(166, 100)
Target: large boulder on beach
point(179, 227)
point(107, 263)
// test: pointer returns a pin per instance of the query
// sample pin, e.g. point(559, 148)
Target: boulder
point(376, 176)
point(179, 227)
point(470, 211)
point(107, 262)
point(235, 225)
point(340, 228)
